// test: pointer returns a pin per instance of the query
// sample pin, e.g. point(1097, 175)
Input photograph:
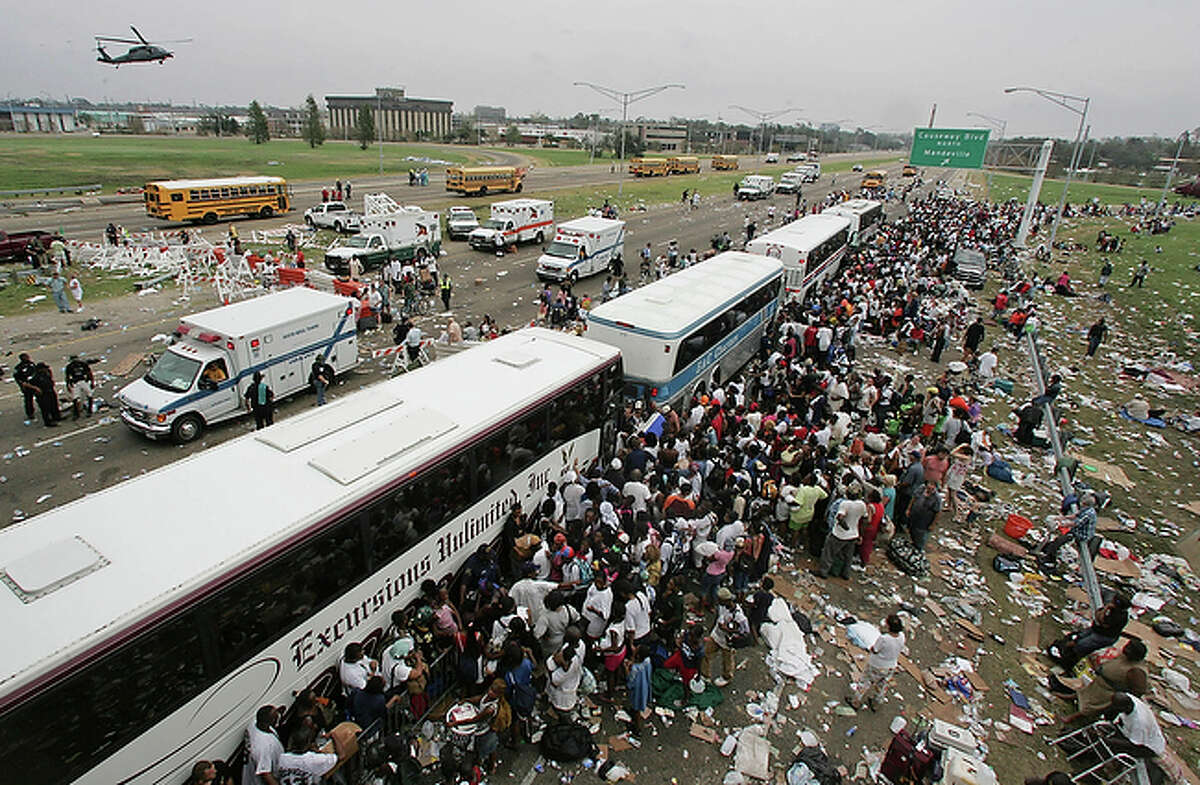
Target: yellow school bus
point(683, 164)
point(204, 201)
point(483, 180)
point(649, 167)
point(874, 179)
point(909, 171)
point(720, 162)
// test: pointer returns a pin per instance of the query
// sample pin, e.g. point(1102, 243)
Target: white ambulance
point(514, 221)
point(582, 247)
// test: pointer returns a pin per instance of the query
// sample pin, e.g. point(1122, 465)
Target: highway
point(43, 467)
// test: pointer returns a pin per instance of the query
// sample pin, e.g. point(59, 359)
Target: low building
point(494, 115)
point(397, 116)
point(285, 122)
point(662, 137)
point(37, 118)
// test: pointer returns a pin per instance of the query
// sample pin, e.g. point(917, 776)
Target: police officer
point(23, 376)
point(445, 288)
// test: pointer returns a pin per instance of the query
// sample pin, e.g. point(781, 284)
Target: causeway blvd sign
point(959, 148)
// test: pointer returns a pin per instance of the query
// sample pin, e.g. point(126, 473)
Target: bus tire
point(187, 428)
point(483, 191)
point(209, 218)
point(266, 212)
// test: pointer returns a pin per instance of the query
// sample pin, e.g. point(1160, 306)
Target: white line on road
point(533, 772)
point(75, 432)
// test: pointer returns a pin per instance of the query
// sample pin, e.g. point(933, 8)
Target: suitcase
point(962, 769)
point(951, 737)
point(905, 763)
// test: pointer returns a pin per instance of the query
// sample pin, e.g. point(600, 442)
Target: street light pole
point(1062, 100)
point(625, 99)
point(998, 123)
point(1162, 200)
point(763, 117)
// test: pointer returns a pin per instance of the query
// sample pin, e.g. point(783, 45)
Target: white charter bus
point(811, 249)
point(700, 324)
point(865, 216)
point(147, 622)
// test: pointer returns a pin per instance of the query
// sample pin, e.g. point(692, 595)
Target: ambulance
point(582, 247)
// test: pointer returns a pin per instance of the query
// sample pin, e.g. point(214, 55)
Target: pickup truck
point(12, 246)
point(332, 215)
point(373, 250)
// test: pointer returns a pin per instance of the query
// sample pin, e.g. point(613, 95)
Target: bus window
point(689, 349)
point(527, 440)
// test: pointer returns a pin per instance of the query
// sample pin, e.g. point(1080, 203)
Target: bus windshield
point(563, 250)
point(173, 372)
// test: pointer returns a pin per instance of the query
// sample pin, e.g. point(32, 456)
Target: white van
point(809, 172)
point(584, 246)
point(514, 221)
point(789, 183)
point(756, 186)
point(202, 377)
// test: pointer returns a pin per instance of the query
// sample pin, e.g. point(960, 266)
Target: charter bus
point(683, 164)
point(649, 167)
point(699, 325)
point(865, 216)
point(148, 621)
point(204, 201)
point(484, 180)
point(810, 249)
point(724, 162)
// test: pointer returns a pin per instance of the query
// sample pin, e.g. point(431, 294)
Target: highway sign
point(960, 148)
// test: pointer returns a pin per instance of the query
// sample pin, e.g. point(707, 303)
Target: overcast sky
point(862, 63)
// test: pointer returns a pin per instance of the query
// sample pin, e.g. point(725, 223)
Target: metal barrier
point(1086, 569)
point(443, 681)
point(76, 189)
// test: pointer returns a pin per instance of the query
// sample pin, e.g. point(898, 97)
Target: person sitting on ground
point(1126, 673)
point(1106, 628)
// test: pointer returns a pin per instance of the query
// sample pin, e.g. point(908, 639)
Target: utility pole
point(763, 117)
point(625, 99)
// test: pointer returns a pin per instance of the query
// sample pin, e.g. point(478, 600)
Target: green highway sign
point(959, 148)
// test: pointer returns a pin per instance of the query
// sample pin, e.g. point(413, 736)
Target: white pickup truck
point(333, 215)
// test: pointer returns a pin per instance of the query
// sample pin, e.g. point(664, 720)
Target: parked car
point(460, 222)
point(1188, 189)
point(332, 215)
point(856, 168)
point(772, 158)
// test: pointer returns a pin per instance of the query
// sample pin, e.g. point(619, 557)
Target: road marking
point(533, 772)
point(69, 434)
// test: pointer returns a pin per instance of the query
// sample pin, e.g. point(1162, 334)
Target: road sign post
point(957, 148)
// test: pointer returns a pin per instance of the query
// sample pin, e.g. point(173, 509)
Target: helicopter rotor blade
point(141, 37)
point(116, 40)
point(175, 41)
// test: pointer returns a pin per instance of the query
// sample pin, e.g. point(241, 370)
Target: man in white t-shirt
point(355, 668)
point(637, 615)
point(838, 552)
point(637, 490)
point(885, 656)
point(572, 495)
point(1143, 738)
point(263, 748)
point(302, 764)
point(987, 365)
point(597, 605)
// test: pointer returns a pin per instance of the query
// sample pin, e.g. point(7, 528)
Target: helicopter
point(142, 50)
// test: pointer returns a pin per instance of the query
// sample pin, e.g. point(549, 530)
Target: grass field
point(549, 156)
point(1007, 186)
point(28, 161)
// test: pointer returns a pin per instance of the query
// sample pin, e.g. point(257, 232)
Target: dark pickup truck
point(12, 246)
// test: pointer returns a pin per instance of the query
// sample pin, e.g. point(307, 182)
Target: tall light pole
point(1002, 126)
point(763, 117)
point(1162, 200)
point(625, 99)
point(1067, 102)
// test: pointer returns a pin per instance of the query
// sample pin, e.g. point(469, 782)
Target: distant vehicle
point(332, 215)
point(1188, 189)
point(403, 234)
point(797, 156)
point(724, 162)
point(201, 378)
point(909, 171)
point(683, 164)
point(514, 221)
point(484, 180)
point(865, 216)
point(970, 267)
point(204, 201)
point(460, 222)
point(772, 158)
point(756, 186)
point(789, 183)
point(701, 324)
point(874, 179)
point(584, 246)
point(13, 245)
point(142, 51)
point(649, 167)
point(811, 250)
point(810, 172)
point(856, 168)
